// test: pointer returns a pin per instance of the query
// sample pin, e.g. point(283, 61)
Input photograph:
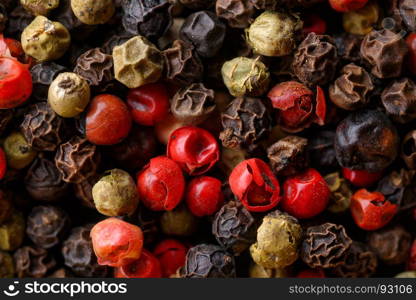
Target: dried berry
point(316, 60)
point(18, 152)
point(42, 76)
point(237, 13)
point(95, 67)
point(47, 226)
point(325, 246)
point(403, 12)
point(6, 265)
point(341, 193)
point(77, 160)
point(12, 232)
point(408, 152)
point(44, 182)
point(79, 255)
point(93, 12)
point(39, 7)
point(33, 261)
point(192, 105)
point(208, 261)
point(348, 46)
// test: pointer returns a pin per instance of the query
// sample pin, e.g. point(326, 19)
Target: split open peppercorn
point(171, 254)
point(147, 266)
point(361, 178)
point(194, 149)
point(252, 181)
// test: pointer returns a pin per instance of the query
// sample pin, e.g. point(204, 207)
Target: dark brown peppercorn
point(205, 31)
point(399, 100)
point(42, 127)
point(77, 160)
point(42, 76)
point(315, 60)
point(377, 47)
point(288, 156)
point(359, 262)
point(348, 46)
point(79, 255)
point(197, 4)
point(83, 190)
point(33, 261)
point(351, 90)
point(95, 67)
point(391, 244)
point(237, 13)
point(6, 206)
point(192, 105)
point(47, 226)
point(325, 246)
point(208, 261)
point(234, 227)
point(366, 140)
point(393, 185)
point(408, 152)
point(182, 64)
point(150, 18)
point(245, 122)
point(44, 182)
point(403, 11)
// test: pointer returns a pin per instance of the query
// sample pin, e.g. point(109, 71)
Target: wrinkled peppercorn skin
point(33, 261)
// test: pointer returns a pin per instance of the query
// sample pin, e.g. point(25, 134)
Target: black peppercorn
point(33, 261)
point(237, 13)
point(348, 46)
point(403, 12)
point(42, 76)
point(408, 152)
point(393, 185)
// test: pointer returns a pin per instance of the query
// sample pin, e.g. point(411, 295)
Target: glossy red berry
point(411, 55)
point(3, 164)
point(204, 196)
point(347, 5)
point(194, 149)
point(252, 181)
point(15, 83)
point(161, 184)
point(116, 242)
point(411, 265)
point(149, 104)
point(370, 210)
point(313, 23)
point(361, 178)
point(171, 254)
point(305, 195)
point(108, 120)
point(147, 266)
point(311, 273)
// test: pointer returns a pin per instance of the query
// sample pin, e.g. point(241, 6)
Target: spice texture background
point(207, 138)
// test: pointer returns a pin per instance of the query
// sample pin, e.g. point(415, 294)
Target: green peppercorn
point(257, 271)
point(180, 222)
point(45, 40)
point(245, 77)
point(278, 240)
point(39, 7)
point(68, 95)
point(12, 232)
point(93, 12)
point(115, 194)
point(6, 265)
point(363, 20)
point(340, 193)
point(19, 154)
point(273, 33)
point(407, 274)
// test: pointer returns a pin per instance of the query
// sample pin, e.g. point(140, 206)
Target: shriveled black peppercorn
point(42, 76)
point(237, 13)
point(348, 46)
point(33, 261)
point(394, 184)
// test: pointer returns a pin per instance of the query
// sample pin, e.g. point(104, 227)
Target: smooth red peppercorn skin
point(312, 273)
point(3, 163)
point(194, 149)
point(314, 23)
point(161, 184)
point(411, 55)
point(347, 5)
point(305, 195)
point(370, 210)
point(147, 266)
point(361, 178)
point(149, 104)
point(171, 254)
point(252, 181)
point(116, 242)
point(204, 196)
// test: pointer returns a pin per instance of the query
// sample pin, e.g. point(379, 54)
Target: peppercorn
point(19, 19)
point(179, 222)
point(137, 62)
point(197, 4)
point(363, 20)
point(325, 246)
point(408, 151)
point(208, 261)
point(204, 196)
point(347, 5)
point(6, 265)
point(278, 240)
point(79, 255)
point(391, 244)
point(83, 190)
point(340, 198)
point(403, 13)
point(266, 4)
point(45, 40)
point(205, 32)
point(313, 23)
point(93, 12)
point(147, 266)
point(245, 77)
point(273, 33)
point(18, 152)
point(399, 100)
point(366, 140)
point(39, 7)
point(408, 274)
point(348, 46)
point(42, 76)
point(47, 226)
point(258, 271)
point(171, 254)
point(393, 186)
point(33, 261)
point(361, 178)
point(237, 13)
point(12, 232)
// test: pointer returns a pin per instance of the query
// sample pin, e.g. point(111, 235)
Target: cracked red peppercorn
point(347, 5)
point(147, 266)
point(171, 254)
point(204, 196)
point(161, 184)
point(194, 149)
point(371, 210)
point(305, 195)
point(252, 181)
point(361, 178)
point(3, 163)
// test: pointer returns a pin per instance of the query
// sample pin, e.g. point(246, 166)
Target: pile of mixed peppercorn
point(203, 138)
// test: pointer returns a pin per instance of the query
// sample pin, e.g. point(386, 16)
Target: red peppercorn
point(411, 55)
point(347, 5)
point(171, 254)
point(204, 196)
point(361, 178)
point(15, 83)
point(411, 265)
point(311, 273)
point(147, 266)
point(194, 149)
point(108, 120)
point(116, 242)
point(3, 163)
point(13, 48)
point(313, 23)
point(370, 210)
point(305, 195)
point(149, 104)
point(161, 184)
point(252, 181)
